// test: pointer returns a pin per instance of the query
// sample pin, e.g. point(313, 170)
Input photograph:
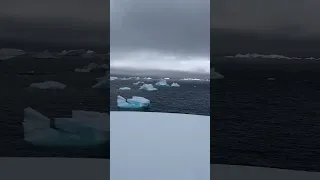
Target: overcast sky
point(160, 34)
point(61, 22)
point(288, 27)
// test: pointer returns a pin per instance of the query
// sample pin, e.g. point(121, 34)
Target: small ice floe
point(89, 54)
point(148, 87)
point(125, 88)
point(8, 53)
point(162, 83)
point(81, 70)
point(45, 55)
point(48, 85)
point(113, 78)
point(166, 78)
point(83, 129)
point(175, 85)
point(137, 83)
point(72, 52)
point(147, 78)
point(271, 79)
point(136, 102)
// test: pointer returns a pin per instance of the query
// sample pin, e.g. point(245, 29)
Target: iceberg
point(148, 87)
point(48, 85)
point(125, 88)
point(75, 131)
point(45, 55)
point(135, 102)
point(162, 82)
point(175, 85)
point(113, 78)
point(8, 53)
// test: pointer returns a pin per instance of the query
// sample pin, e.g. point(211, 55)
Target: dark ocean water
point(192, 97)
point(78, 95)
point(269, 123)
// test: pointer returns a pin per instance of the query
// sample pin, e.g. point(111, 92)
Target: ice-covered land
point(175, 85)
point(162, 83)
point(148, 87)
point(8, 53)
point(269, 56)
point(125, 88)
point(45, 55)
point(190, 79)
point(83, 129)
point(48, 85)
point(135, 102)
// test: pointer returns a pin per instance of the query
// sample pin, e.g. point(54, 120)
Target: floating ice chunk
point(271, 79)
point(45, 55)
point(147, 78)
point(81, 70)
point(48, 85)
point(113, 78)
point(148, 87)
point(175, 85)
point(162, 82)
point(125, 88)
point(68, 132)
point(135, 102)
point(137, 83)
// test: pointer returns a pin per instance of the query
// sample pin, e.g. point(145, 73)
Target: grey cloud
point(175, 27)
point(295, 17)
point(68, 22)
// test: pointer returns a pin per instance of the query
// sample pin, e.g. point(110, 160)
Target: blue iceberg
point(73, 131)
point(135, 102)
point(162, 83)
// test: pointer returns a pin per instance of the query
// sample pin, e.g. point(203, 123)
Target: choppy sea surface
point(192, 97)
point(266, 112)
